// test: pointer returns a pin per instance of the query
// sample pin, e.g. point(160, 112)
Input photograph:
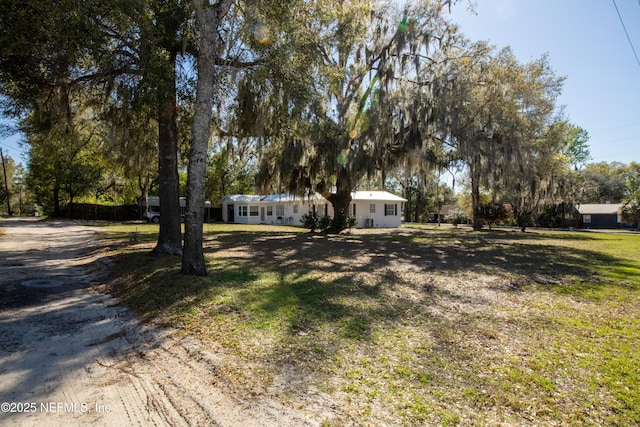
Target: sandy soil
point(70, 355)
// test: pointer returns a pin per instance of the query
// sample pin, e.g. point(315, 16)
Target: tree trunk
point(70, 207)
point(56, 200)
point(209, 18)
point(169, 237)
point(408, 207)
point(474, 172)
point(340, 202)
point(522, 221)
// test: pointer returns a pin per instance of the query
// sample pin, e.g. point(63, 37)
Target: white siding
point(378, 219)
point(369, 209)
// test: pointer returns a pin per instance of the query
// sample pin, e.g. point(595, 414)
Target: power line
point(8, 146)
point(626, 32)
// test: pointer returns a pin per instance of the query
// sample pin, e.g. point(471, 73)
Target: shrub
point(311, 221)
point(631, 211)
point(325, 222)
point(491, 213)
point(456, 216)
point(348, 223)
point(314, 222)
point(352, 221)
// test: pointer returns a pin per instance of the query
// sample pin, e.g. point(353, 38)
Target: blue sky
point(586, 43)
point(9, 145)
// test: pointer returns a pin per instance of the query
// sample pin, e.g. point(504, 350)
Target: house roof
point(242, 198)
point(599, 209)
point(285, 197)
point(376, 195)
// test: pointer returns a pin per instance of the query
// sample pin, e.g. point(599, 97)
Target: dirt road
point(70, 355)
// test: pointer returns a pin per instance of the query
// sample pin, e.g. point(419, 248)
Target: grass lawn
point(416, 326)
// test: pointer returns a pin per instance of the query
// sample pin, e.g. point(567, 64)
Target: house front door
point(231, 211)
point(262, 217)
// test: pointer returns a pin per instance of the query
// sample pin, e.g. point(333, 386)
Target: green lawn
point(422, 325)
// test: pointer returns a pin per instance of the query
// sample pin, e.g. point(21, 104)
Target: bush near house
point(492, 213)
point(314, 222)
point(456, 216)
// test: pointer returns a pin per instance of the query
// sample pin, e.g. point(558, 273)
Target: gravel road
point(70, 355)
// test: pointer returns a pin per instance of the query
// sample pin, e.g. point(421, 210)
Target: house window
point(242, 211)
point(279, 210)
point(269, 210)
point(253, 211)
point(390, 210)
point(295, 209)
point(586, 219)
point(372, 208)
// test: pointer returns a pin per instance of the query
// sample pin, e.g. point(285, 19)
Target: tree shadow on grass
point(301, 301)
point(306, 284)
point(501, 253)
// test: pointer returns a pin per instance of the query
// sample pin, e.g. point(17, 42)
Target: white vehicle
point(150, 208)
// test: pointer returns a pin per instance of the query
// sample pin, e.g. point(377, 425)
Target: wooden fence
point(91, 211)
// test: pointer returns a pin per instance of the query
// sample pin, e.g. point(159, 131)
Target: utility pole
point(6, 186)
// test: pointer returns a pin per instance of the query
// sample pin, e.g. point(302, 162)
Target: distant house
point(602, 216)
point(374, 209)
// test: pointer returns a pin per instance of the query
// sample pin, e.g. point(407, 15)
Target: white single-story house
point(374, 209)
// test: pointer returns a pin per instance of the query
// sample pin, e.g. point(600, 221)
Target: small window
point(269, 210)
point(372, 208)
point(586, 219)
point(253, 211)
point(390, 210)
point(280, 210)
point(295, 209)
point(242, 211)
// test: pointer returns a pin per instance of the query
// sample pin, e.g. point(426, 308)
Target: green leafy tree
point(545, 177)
point(631, 201)
point(231, 39)
point(8, 171)
point(148, 43)
point(577, 147)
point(492, 213)
point(602, 183)
point(497, 111)
point(227, 175)
point(125, 51)
point(65, 161)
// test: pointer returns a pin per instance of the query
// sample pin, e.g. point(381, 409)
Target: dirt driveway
point(70, 355)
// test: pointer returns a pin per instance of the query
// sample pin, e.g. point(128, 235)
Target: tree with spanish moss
point(232, 39)
point(496, 112)
point(375, 70)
